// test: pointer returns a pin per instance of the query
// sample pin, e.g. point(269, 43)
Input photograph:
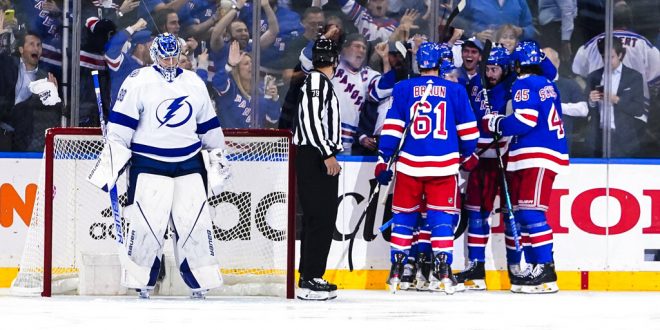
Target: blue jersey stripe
point(166, 152)
point(207, 126)
point(123, 120)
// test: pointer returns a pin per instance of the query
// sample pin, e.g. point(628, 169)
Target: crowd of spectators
point(378, 39)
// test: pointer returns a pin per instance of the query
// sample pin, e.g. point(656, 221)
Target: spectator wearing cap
point(126, 51)
point(470, 56)
point(481, 18)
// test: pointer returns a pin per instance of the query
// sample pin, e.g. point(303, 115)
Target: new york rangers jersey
point(536, 124)
point(498, 97)
point(443, 129)
point(168, 122)
point(372, 28)
point(353, 88)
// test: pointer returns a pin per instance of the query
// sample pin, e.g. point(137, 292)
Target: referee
point(317, 136)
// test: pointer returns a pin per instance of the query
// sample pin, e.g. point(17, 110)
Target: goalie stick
point(500, 164)
point(125, 261)
point(395, 155)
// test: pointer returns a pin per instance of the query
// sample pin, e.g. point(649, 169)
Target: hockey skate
point(518, 276)
point(473, 277)
point(199, 294)
point(423, 273)
point(543, 279)
point(442, 279)
point(396, 272)
point(408, 278)
point(316, 289)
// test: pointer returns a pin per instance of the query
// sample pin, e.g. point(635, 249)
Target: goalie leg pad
point(147, 217)
point(194, 249)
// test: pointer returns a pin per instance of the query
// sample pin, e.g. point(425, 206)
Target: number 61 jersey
point(444, 128)
point(536, 123)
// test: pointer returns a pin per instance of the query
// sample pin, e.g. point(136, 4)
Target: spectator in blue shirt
point(481, 18)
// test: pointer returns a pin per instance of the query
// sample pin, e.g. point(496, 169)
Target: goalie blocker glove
point(218, 170)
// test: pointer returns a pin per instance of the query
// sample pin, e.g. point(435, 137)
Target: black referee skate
point(542, 279)
point(409, 271)
point(518, 276)
point(316, 289)
point(442, 279)
point(423, 272)
point(396, 272)
point(473, 277)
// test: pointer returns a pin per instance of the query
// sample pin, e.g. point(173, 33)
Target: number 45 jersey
point(443, 130)
point(540, 140)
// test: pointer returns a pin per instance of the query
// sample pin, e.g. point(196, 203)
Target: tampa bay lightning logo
point(174, 112)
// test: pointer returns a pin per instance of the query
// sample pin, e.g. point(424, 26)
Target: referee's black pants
point(317, 192)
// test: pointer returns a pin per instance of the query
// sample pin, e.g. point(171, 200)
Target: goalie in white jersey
point(163, 118)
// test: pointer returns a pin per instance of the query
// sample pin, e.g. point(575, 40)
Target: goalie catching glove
point(218, 170)
point(109, 166)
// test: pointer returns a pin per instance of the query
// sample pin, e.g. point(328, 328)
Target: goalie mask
point(164, 51)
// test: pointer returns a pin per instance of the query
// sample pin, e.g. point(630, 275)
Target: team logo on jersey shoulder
point(174, 112)
point(134, 73)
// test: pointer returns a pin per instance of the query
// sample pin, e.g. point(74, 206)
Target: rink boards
point(601, 242)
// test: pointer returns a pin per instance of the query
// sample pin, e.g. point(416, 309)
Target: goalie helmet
point(325, 53)
point(527, 53)
point(428, 55)
point(166, 47)
point(499, 56)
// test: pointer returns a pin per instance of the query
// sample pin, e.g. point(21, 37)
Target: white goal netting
point(251, 221)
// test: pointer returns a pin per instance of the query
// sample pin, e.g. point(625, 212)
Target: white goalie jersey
point(166, 121)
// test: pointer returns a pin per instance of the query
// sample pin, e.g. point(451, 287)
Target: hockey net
point(71, 248)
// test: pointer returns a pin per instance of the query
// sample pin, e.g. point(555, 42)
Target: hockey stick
point(395, 155)
point(500, 164)
point(131, 266)
point(478, 153)
point(459, 8)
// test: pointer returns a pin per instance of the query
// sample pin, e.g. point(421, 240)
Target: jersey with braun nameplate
point(536, 124)
point(443, 129)
point(498, 97)
point(166, 121)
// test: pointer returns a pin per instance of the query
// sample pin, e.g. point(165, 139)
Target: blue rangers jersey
point(498, 97)
point(536, 123)
point(443, 129)
point(169, 122)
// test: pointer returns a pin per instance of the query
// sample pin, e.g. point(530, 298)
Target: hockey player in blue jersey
point(537, 153)
point(161, 121)
point(484, 180)
point(436, 131)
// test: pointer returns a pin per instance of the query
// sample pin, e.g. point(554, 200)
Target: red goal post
point(254, 218)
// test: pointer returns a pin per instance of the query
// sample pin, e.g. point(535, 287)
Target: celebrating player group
point(504, 130)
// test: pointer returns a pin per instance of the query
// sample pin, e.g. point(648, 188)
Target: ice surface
point(352, 310)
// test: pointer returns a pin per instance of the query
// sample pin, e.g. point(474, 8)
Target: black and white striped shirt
point(318, 123)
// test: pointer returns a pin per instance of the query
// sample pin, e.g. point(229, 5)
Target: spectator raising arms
point(233, 85)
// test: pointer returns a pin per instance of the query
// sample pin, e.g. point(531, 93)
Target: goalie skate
point(543, 279)
point(396, 272)
point(442, 279)
point(473, 277)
